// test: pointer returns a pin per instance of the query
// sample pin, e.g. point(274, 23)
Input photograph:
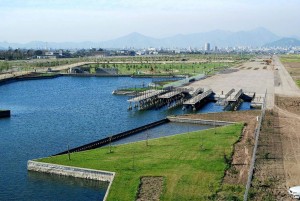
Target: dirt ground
point(253, 76)
point(284, 84)
point(278, 156)
point(289, 122)
point(293, 69)
point(150, 188)
point(238, 172)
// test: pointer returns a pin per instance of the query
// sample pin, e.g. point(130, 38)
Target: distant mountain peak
point(255, 38)
point(284, 42)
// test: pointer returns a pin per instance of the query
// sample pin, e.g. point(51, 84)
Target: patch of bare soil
point(238, 172)
point(290, 104)
point(293, 68)
point(150, 189)
point(269, 179)
point(278, 156)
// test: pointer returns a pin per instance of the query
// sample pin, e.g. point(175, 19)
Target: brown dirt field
point(278, 156)
point(150, 188)
point(294, 69)
point(238, 172)
point(289, 122)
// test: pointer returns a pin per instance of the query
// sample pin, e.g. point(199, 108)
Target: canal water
point(48, 115)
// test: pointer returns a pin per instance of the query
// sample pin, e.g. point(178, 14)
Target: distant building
point(207, 47)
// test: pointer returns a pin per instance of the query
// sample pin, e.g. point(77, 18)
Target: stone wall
point(199, 121)
point(72, 171)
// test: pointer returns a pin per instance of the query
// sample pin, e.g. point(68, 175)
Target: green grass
point(290, 58)
point(191, 171)
point(298, 83)
point(163, 69)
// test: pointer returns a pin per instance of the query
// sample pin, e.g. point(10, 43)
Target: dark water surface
point(48, 115)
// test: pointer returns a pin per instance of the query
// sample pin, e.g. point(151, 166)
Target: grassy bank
point(292, 64)
point(290, 58)
point(192, 164)
point(167, 69)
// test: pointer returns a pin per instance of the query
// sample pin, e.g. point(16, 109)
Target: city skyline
point(64, 20)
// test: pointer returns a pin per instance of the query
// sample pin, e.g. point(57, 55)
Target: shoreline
point(71, 171)
point(100, 175)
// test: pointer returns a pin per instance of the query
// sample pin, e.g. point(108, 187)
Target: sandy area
point(250, 76)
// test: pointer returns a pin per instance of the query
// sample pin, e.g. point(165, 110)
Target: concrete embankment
point(83, 173)
point(199, 121)
point(29, 76)
point(4, 113)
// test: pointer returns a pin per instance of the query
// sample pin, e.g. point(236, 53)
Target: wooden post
point(215, 122)
point(69, 156)
point(147, 137)
point(133, 165)
point(110, 144)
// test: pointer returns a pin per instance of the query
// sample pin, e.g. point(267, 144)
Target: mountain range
point(284, 42)
point(254, 38)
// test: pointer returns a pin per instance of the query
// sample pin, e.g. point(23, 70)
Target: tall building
point(207, 47)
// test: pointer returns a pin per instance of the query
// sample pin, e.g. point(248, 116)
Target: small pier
point(222, 100)
point(233, 101)
point(192, 98)
point(173, 98)
point(147, 100)
point(235, 95)
point(257, 102)
point(196, 101)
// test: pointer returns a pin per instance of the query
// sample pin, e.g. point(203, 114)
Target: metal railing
point(256, 134)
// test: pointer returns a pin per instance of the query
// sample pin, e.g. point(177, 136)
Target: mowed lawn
point(192, 164)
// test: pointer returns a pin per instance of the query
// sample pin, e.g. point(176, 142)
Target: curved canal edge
point(71, 171)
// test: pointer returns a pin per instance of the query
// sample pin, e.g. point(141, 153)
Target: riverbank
point(185, 161)
point(28, 76)
point(83, 173)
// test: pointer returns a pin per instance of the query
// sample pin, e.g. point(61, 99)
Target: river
point(48, 115)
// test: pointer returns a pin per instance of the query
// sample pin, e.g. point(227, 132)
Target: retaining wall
point(113, 138)
point(83, 173)
point(199, 121)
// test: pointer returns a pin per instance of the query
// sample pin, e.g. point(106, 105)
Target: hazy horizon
point(92, 20)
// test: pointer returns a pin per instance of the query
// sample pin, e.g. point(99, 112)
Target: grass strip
point(193, 164)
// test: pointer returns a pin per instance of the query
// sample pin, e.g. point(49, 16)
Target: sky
point(100, 20)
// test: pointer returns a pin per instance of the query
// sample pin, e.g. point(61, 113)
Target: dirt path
point(286, 85)
point(289, 122)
